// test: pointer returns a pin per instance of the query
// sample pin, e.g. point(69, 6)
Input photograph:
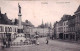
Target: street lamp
point(43, 31)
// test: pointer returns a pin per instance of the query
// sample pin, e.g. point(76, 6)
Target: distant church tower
point(42, 24)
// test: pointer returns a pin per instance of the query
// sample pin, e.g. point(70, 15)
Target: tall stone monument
point(20, 35)
point(20, 28)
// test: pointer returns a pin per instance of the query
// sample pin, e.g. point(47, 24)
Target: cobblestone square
point(54, 45)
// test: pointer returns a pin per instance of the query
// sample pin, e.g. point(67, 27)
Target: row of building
point(10, 27)
point(17, 31)
point(68, 27)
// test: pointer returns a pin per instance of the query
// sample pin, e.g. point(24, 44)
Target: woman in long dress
point(47, 40)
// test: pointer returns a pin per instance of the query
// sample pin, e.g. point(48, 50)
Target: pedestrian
point(37, 42)
point(3, 44)
point(47, 41)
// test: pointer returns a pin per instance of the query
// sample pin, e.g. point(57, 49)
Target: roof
point(72, 17)
point(78, 9)
point(4, 19)
point(27, 23)
point(65, 17)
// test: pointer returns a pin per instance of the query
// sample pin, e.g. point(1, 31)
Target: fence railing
point(23, 43)
point(19, 43)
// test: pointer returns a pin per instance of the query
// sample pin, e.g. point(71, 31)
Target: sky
point(37, 10)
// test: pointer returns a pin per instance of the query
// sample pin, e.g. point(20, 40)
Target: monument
point(20, 27)
point(20, 35)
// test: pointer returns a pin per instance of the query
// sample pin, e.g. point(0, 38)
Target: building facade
point(68, 27)
point(71, 29)
point(55, 30)
point(31, 31)
point(77, 23)
point(8, 29)
point(65, 26)
point(61, 27)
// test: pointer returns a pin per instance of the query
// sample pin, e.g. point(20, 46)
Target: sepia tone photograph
point(39, 25)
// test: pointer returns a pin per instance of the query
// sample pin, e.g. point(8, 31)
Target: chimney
point(5, 13)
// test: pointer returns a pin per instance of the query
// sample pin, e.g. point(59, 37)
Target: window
point(5, 29)
point(64, 31)
point(64, 23)
point(10, 29)
point(64, 28)
point(15, 29)
point(0, 28)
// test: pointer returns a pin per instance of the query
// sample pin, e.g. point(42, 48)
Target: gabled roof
point(4, 19)
point(78, 9)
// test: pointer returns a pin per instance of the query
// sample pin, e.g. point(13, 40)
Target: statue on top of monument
point(19, 8)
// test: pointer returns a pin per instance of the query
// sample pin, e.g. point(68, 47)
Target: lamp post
point(43, 31)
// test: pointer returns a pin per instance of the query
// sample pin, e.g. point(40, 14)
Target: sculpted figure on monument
point(19, 8)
